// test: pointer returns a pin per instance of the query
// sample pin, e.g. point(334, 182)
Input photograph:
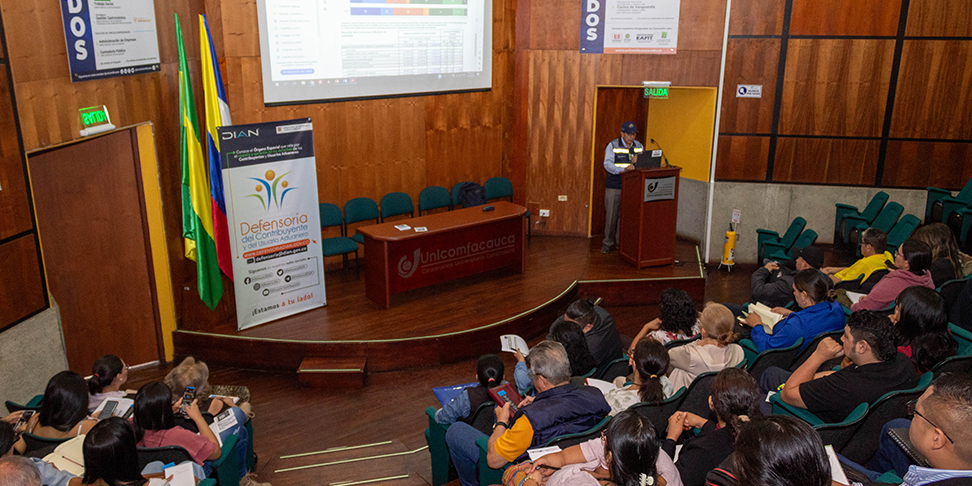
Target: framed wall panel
point(701, 24)
point(940, 18)
point(687, 68)
point(836, 87)
point(742, 158)
point(750, 61)
point(934, 99)
point(14, 204)
point(22, 289)
point(927, 164)
point(826, 161)
point(756, 17)
point(845, 17)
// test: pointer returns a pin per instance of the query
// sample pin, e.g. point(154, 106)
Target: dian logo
point(407, 267)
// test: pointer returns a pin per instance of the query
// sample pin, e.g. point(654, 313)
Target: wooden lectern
point(649, 211)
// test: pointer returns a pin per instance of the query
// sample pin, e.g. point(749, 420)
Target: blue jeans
point(461, 439)
point(889, 456)
point(769, 381)
point(241, 444)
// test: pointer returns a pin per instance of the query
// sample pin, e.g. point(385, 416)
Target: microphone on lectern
point(667, 163)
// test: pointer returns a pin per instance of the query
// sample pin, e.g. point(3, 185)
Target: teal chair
point(442, 470)
point(839, 434)
point(250, 455)
point(939, 203)
point(884, 221)
point(963, 337)
point(207, 482)
point(396, 204)
point(868, 214)
point(499, 187)
point(33, 404)
point(226, 469)
point(659, 412)
point(960, 222)
point(776, 252)
point(789, 237)
point(901, 231)
point(357, 210)
point(455, 194)
point(434, 197)
point(337, 245)
point(953, 364)
point(780, 357)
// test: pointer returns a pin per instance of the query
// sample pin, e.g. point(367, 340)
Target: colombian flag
point(217, 115)
point(197, 209)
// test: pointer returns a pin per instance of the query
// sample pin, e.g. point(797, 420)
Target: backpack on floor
point(472, 194)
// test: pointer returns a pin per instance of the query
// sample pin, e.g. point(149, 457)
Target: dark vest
point(613, 181)
point(478, 395)
point(566, 409)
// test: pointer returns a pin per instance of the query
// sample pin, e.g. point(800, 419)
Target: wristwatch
point(504, 424)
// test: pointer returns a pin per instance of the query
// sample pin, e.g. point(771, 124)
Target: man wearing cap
point(773, 284)
point(619, 156)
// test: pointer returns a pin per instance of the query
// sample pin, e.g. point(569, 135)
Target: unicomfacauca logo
point(271, 189)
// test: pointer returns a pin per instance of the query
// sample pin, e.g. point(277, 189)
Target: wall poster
point(107, 38)
point(629, 26)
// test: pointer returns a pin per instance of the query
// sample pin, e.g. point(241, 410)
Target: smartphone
point(128, 413)
point(502, 394)
point(187, 399)
point(24, 417)
point(108, 410)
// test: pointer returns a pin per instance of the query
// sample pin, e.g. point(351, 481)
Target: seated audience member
point(626, 455)
point(489, 373)
point(714, 351)
point(603, 340)
point(874, 256)
point(813, 292)
point(570, 335)
point(939, 430)
point(18, 471)
point(155, 424)
point(921, 327)
point(62, 412)
point(679, 319)
point(559, 408)
point(191, 372)
point(734, 400)
point(649, 383)
point(875, 368)
point(911, 261)
point(961, 312)
point(49, 475)
point(110, 456)
point(773, 284)
point(108, 374)
point(778, 451)
point(946, 259)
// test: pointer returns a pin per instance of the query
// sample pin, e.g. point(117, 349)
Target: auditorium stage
point(443, 323)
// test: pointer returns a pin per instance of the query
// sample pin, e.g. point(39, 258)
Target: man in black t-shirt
point(876, 367)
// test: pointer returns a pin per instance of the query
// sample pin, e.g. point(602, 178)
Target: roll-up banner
point(270, 183)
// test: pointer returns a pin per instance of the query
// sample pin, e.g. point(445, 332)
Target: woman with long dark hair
point(627, 454)
point(108, 374)
point(649, 384)
point(911, 260)
point(679, 319)
point(921, 327)
point(734, 400)
point(572, 337)
point(814, 293)
point(63, 410)
point(155, 424)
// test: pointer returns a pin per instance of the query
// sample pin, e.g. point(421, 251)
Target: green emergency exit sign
point(657, 93)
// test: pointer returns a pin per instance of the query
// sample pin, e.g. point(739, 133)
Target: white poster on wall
point(270, 183)
point(107, 38)
point(629, 26)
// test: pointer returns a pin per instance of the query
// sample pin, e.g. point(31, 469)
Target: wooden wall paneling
point(750, 61)
point(836, 87)
point(826, 161)
point(35, 40)
point(940, 18)
point(14, 205)
point(21, 290)
point(91, 231)
point(933, 98)
point(614, 107)
point(686, 68)
point(701, 24)
point(562, 34)
point(845, 17)
point(742, 158)
point(240, 28)
point(927, 164)
point(756, 17)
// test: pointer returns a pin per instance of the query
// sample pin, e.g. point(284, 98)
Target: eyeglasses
point(913, 411)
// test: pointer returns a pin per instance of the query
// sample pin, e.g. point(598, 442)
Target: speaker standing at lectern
point(619, 156)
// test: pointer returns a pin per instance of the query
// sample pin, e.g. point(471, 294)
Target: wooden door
point(93, 234)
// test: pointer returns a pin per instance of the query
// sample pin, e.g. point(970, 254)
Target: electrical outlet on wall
point(544, 213)
point(562, 197)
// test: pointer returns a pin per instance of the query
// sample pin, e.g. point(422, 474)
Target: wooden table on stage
point(458, 243)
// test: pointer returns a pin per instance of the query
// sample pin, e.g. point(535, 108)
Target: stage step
point(333, 372)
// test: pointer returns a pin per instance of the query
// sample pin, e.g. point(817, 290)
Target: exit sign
point(657, 93)
point(94, 116)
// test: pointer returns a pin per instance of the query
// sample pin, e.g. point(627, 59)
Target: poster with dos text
point(629, 26)
point(107, 38)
